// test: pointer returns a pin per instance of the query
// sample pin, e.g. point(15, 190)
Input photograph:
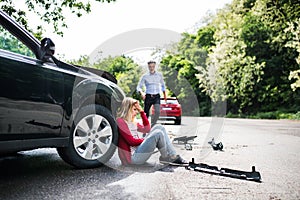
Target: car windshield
point(169, 101)
point(10, 43)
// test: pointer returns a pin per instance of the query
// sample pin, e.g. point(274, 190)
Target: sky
point(108, 20)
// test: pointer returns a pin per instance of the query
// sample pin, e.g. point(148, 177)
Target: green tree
point(272, 48)
point(125, 70)
point(10, 43)
point(81, 61)
point(250, 61)
point(49, 11)
point(294, 28)
point(195, 47)
point(230, 74)
point(179, 74)
point(180, 68)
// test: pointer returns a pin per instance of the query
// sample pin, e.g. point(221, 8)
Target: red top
point(126, 140)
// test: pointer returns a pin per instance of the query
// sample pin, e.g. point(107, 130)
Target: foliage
point(280, 58)
point(268, 115)
point(294, 28)
point(179, 74)
point(82, 61)
point(180, 69)
point(230, 74)
point(255, 49)
point(49, 11)
point(125, 70)
point(295, 75)
point(10, 43)
point(247, 54)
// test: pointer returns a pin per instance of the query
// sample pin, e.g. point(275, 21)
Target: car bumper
point(167, 117)
point(170, 114)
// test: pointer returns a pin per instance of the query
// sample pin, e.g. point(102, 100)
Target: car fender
point(97, 91)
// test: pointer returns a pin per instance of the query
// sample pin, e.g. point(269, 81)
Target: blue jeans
point(156, 138)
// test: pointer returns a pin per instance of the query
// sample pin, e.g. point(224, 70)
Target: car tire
point(178, 121)
point(93, 138)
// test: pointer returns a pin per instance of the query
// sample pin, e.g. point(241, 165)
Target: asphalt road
point(271, 146)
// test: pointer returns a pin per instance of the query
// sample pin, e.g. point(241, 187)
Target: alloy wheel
point(92, 137)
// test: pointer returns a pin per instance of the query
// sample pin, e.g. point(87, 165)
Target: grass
point(268, 115)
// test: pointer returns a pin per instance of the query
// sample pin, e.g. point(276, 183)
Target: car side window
point(10, 43)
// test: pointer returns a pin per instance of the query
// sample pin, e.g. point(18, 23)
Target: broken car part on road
point(201, 167)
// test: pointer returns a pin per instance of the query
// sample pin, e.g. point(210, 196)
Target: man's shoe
point(177, 161)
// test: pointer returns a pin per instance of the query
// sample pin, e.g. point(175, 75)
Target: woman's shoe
point(177, 161)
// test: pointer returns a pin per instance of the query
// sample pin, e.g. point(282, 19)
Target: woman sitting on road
point(137, 150)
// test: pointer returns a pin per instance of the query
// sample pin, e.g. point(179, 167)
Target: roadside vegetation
point(248, 55)
point(267, 115)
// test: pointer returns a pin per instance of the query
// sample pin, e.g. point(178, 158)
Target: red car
point(170, 110)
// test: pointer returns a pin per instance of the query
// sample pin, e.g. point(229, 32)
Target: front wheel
point(93, 138)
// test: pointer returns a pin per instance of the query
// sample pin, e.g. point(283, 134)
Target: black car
point(45, 102)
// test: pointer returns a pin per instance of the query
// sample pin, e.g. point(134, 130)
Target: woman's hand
point(138, 106)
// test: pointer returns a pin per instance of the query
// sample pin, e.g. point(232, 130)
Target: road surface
point(271, 146)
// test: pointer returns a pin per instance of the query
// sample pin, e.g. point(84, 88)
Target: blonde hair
point(126, 108)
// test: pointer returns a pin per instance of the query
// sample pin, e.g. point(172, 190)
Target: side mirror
point(47, 50)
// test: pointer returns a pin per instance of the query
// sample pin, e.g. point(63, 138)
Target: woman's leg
point(156, 138)
point(168, 144)
point(145, 150)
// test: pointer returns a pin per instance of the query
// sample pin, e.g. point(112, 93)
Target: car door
point(31, 93)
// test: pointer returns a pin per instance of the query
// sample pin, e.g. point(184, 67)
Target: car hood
point(86, 70)
point(94, 75)
point(101, 73)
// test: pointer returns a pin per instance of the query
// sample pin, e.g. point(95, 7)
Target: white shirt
point(154, 83)
point(133, 129)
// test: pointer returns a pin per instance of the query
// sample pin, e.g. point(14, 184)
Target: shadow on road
point(169, 123)
point(43, 175)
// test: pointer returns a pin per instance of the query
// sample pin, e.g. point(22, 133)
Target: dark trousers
point(149, 101)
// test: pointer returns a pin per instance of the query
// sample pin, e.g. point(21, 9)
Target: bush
point(268, 115)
